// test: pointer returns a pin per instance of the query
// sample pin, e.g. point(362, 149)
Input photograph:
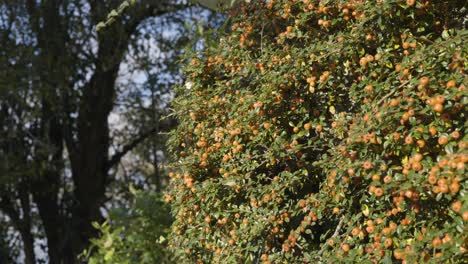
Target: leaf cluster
point(134, 235)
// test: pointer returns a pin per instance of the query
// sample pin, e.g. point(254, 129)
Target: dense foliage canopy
point(325, 131)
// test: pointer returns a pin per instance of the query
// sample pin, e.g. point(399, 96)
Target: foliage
point(325, 131)
point(135, 235)
point(7, 250)
point(61, 86)
point(114, 14)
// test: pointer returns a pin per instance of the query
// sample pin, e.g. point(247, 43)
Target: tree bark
point(23, 225)
point(27, 237)
point(28, 244)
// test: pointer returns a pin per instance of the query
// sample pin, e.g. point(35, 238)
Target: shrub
point(134, 235)
point(325, 131)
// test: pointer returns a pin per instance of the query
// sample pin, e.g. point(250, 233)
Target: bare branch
point(31, 7)
point(335, 234)
point(151, 8)
point(119, 155)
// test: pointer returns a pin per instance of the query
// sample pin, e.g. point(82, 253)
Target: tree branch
point(150, 8)
point(32, 9)
point(335, 234)
point(162, 126)
point(119, 155)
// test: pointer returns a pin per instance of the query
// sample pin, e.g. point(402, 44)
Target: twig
point(424, 39)
point(261, 40)
point(391, 93)
point(335, 234)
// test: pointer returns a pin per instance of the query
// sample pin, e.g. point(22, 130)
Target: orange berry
point(370, 229)
point(454, 187)
point(376, 177)
point(417, 157)
point(386, 231)
point(378, 192)
point(410, 2)
point(465, 216)
point(442, 140)
point(319, 128)
point(439, 99)
point(398, 254)
point(388, 242)
point(394, 102)
point(424, 81)
point(436, 242)
point(406, 45)
point(455, 134)
point(421, 143)
point(387, 179)
point(409, 140)
point(355, 231)
point(367, 165)
point(345, 247)
point(438, 108)
point(417, 166)
point(409, 194)
point(444, 188)
point(457, 206)
point(450, 84)
point(432, 179)
point(446, 239)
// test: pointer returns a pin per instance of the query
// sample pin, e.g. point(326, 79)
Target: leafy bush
point(325, 131)
point(134, 235)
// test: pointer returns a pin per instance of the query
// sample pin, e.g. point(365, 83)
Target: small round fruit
point(442, 140)
point(424, 81)
point(457, 206)
point(436, 242)
point(345, 247)
point(439, 108)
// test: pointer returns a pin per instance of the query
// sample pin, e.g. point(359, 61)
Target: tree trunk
point(25, 228)
point(28, 244)
point(91, 171)
point(23, 225)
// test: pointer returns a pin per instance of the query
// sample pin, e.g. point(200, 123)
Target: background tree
point(325, 132)
point(59, 83)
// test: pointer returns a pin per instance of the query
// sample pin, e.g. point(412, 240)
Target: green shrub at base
point(134, 235)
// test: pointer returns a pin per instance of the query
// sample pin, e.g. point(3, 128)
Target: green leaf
point(112, 14)
point(445, 34)
point(100, 26)
point(109, 254)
